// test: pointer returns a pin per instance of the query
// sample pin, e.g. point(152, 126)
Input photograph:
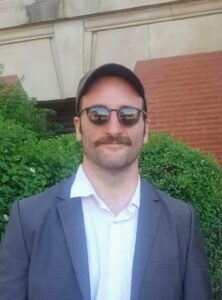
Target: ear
point(146, 130)
point(77, 125)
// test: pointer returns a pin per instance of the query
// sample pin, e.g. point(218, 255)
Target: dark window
point(64, 113)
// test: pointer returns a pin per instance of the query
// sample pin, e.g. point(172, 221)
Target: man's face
point(112, 145)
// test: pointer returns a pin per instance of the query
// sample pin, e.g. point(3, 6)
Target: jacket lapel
point(71, 215)
point(149, 215)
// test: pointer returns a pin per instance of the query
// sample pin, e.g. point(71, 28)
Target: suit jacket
point(43, 255)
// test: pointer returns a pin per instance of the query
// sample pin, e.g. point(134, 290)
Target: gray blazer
point(43, 255)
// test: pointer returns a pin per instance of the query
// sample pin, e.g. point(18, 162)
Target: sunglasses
point(99, 114)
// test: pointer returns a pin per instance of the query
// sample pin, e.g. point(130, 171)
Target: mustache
point(113, 139)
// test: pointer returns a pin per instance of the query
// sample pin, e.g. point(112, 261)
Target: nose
point(113, 127)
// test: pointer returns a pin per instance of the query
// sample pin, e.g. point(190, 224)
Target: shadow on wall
point(43, 10)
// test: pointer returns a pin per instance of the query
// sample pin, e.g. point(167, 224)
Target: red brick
point(10, 79)
point(185, 98)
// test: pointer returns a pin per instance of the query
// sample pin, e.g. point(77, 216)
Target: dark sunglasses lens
point(98, 115)
point(129, 116)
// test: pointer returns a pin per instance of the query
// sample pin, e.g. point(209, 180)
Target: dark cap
point(109, 70)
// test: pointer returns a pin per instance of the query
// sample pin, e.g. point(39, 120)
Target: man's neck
point(114, 187)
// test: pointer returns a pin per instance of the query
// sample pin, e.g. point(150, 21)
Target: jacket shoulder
point(175, 208)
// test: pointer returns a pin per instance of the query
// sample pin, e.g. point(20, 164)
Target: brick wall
point(10, 79)
point(185, 98)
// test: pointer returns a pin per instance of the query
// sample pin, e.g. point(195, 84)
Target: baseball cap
point(110, 69)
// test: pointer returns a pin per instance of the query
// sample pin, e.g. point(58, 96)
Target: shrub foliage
point(29, 165)
point(16, 105)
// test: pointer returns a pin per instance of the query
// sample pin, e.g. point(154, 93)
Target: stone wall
point(20, 12)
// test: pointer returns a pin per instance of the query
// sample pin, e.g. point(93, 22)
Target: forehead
point(110, 88)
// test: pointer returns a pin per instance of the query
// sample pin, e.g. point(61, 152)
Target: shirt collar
point(82, 187)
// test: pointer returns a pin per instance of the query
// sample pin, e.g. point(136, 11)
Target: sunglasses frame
point(118, 112)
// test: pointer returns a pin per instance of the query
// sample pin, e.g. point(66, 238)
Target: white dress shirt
point(110, 241)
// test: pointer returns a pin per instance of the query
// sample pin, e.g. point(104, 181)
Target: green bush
point(16, 105)
point(28, 165)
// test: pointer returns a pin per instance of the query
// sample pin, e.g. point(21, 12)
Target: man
point(105, 234)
